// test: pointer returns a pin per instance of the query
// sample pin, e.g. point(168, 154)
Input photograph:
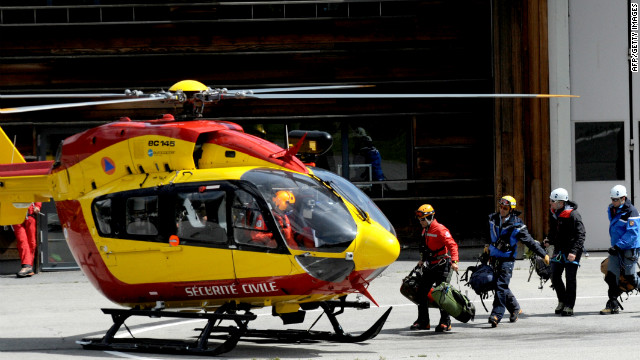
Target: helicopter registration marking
point(162, 143)
point(233, 289)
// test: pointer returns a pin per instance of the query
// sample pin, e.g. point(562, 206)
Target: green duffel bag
point(453, 302)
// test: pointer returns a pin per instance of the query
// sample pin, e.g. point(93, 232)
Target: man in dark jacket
point(506, 229)
point(625, 246)
point(566, 234)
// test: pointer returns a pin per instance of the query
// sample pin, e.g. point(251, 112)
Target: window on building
point(599, 148)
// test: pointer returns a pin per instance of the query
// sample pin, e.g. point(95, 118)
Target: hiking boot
point(611, 308)
point(514, 315)
point(493, 320)
point(567, 311)
point(25, 272)
point(444, 326)
point(559, 308)
point(420, 325)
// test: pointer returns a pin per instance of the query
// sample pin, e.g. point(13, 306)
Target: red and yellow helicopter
point(169, 217)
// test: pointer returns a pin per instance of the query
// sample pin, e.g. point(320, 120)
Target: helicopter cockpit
point(240, 213)
point(313, 218)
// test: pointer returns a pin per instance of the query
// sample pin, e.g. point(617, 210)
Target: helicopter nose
point(375, 248)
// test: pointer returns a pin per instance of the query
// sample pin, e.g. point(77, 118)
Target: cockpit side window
point(249, 223)
point(142, 215)
point(201, 217)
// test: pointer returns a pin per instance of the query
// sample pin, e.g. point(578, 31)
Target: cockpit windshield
point(309, 215)
point(355, 196)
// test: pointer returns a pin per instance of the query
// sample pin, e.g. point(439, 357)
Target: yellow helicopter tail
point(9, 154)
point(21, 183)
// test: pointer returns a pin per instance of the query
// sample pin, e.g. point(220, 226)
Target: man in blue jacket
point(625, 246)
point(506, 229)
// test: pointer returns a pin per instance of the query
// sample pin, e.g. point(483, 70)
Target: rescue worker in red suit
point(438, 256)
point(282, 202)
point(26, 240)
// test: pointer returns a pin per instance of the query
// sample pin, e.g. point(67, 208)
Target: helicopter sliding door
point(183, 230)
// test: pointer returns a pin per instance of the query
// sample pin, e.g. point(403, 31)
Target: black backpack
point(409, 287)
point(543, 270)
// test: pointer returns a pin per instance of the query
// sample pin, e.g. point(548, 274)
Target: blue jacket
point(623, 226)
point(505, 237)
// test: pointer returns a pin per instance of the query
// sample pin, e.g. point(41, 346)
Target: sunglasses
point(421, 215)
point(504, 202)
point(615, 199)
point(505, 207)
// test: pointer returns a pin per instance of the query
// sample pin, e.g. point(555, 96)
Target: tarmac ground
point(42, 317)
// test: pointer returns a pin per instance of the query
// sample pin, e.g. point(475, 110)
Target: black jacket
point(566, 230)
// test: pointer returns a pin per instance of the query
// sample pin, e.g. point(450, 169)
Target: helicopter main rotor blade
point(78, 104)
point(395, 96)
point(62, 96)
point(302, 88)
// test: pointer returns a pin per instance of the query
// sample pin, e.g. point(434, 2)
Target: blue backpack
point(482, 280)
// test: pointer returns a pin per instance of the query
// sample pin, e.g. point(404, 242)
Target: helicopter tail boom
point(21, 183)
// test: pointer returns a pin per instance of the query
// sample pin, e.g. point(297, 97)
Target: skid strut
point(200, 346)
point(227, 336)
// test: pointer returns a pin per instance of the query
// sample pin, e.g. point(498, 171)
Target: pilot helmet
point(283, 198)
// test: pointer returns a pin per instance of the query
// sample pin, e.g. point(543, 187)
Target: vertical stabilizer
point(8, 152)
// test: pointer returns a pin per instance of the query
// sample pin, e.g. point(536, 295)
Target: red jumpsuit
point(438, 242)
point(26, 235)
point(293, 239)
point(438, 246)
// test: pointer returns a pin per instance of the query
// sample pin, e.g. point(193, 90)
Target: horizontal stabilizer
point(22, 184)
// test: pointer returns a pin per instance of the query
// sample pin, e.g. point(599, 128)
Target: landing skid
point(227, 336)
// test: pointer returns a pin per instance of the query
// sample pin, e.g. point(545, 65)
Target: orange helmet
point(283, 198)
point(424, 211)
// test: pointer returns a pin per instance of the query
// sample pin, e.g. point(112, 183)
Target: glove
point(546, 260)
point(486, 249)
point(613, 250)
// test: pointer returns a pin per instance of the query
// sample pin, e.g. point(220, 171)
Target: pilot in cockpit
point(296, 235)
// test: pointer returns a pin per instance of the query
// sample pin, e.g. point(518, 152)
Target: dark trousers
point(432, 276)
point(622, 264)
point(566, 294)
point(504, 298)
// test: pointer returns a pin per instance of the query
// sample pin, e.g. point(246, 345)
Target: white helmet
point(559, 194)
point(618, 191)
